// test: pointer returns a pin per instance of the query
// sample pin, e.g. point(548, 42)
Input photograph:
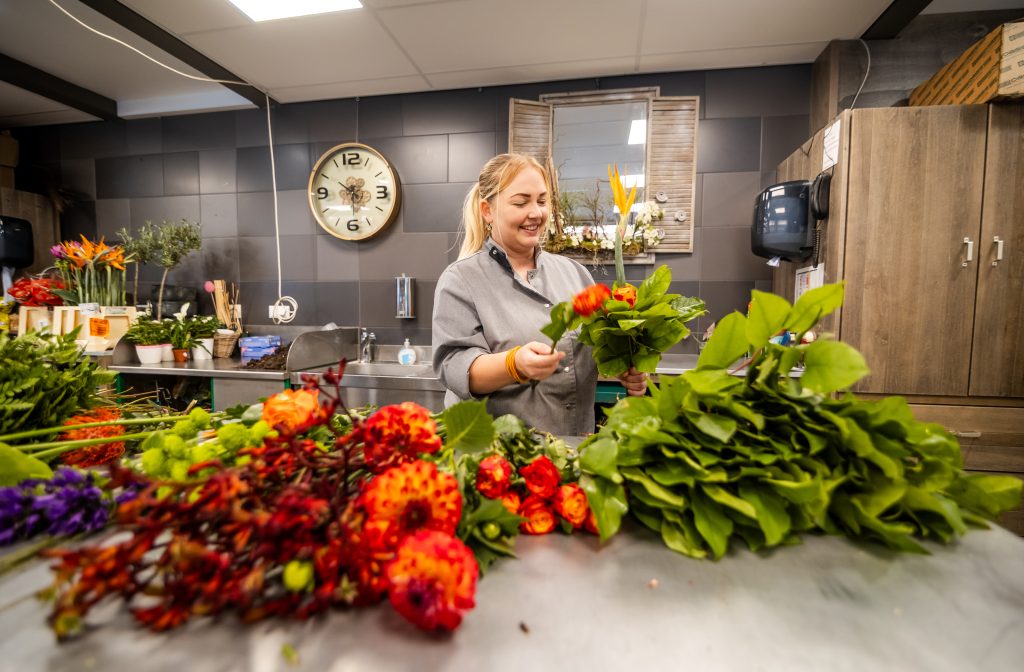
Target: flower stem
point(60, 447)
point(86, 425)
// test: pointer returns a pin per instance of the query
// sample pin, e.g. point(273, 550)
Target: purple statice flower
point(58, 252)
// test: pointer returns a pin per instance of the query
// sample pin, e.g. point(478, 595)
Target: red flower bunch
point(36, 291)
point(547, 497)
point(103, 453)
point(398, 433)
point(587, 302)
point(291, 532)
point(627, 293)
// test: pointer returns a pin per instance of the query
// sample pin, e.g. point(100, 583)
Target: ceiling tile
point(539, 72)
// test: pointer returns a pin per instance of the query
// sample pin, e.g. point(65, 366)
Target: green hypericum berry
point(153, 461)
point(298, 575)
point(185, 429)
point(178, 469)
point(258, 432)
point(491, 530)
point(176, 447)
point(243, 460)
point(200, 418)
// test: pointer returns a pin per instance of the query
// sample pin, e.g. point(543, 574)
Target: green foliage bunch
point(141, 249)
point(710, 456)
point(44, 380)
point(203, 326)
point(174, 241)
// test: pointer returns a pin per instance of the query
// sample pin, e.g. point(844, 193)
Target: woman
point(490, 305)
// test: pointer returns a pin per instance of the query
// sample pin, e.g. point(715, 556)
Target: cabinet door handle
point(999, 249)
point(970, 251)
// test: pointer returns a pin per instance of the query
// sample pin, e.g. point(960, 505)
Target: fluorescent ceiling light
point(268, 10)
point(638, 132)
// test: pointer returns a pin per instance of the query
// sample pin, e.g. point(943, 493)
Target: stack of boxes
point(255, 347)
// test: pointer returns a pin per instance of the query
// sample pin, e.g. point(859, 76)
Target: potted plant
point(139, 249)
point(174, 241)
point(203, 328)
point(148, 335)
point(179, 333)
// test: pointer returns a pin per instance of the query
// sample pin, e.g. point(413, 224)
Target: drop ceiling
point(401, 46)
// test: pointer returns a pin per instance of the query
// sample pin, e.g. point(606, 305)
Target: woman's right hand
point(535, 361)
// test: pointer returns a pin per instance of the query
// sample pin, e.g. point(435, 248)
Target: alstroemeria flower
point(433, 580)
point(625, 293)
point(541, 476)
point(590, 300)
point(492, 478)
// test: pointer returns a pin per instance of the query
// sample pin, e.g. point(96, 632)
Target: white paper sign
point(807, 278)
point(830, 153)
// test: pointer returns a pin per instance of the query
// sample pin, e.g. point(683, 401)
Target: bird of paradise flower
point(624, 204)
point(93, 272)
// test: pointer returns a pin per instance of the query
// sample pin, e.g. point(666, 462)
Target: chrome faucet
point(366, 346)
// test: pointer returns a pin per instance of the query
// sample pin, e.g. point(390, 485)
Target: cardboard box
point(991, 69)
point(8, 151)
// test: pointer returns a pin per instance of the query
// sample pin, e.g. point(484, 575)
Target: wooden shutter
point(672, 166)
point(529, 128)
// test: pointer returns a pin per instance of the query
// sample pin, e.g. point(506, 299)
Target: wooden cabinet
point(919, 197)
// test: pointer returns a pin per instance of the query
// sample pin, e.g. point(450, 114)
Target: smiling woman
point(490, 305)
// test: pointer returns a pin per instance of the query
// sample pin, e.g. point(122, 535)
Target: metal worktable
point(827, 604)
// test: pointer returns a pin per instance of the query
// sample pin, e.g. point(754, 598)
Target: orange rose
point(587, 302)
point(542, 477)
point(511, 501)
point(292, 411)
point(571, 503)
point(492, 479)
point(590, 524)
point(625, 293)
point(540, 519)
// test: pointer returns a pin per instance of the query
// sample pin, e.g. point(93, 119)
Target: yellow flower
point(622, 202)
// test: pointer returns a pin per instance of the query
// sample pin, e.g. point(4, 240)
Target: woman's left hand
point(634, 382)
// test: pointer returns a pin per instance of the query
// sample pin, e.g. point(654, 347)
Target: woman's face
point(517, 214)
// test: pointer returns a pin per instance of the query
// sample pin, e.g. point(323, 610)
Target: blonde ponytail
point(495, 176)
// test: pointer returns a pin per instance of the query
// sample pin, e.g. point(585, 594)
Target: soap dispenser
point(406, 356)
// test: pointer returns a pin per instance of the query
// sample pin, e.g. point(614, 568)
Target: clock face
point(354, 192)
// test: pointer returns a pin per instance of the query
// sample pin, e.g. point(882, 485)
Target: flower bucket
point(204, 350)
point(180, 354)
point(168, 354)
point(150, 354)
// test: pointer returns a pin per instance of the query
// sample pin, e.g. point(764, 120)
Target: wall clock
point(354, 192)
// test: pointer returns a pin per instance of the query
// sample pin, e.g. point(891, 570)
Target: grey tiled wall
point(214, 168)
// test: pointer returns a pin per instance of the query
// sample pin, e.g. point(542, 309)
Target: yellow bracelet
point(510, 366)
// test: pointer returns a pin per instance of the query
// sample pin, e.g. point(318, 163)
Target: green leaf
point(813, 305)
point(768, 314)
point(676, 538)
point(598, 457)
point(608, 502)
point(16, 466)
point(987, 495)
point(727, 344)
point(627, 325)
point(470, 428)
point(771, 512)
point(831, 366)
point(881, 494)
point(653, 287)
point(727, 499)
point(658, 492)
point(922, 500)
point(717, 426)
point(712, 523)
point(562, 320)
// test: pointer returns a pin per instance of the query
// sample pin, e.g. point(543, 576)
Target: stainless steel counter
point(569, 604)
point(208, 368)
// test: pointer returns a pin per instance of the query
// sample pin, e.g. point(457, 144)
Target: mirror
point(651, 138)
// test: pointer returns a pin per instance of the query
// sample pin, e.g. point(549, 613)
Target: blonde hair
point(496, 175)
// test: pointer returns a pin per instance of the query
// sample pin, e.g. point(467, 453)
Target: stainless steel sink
point(389, 370)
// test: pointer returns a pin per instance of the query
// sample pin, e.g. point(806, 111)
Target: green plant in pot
point(180, 335)
point(148, 335)
point(203, 328)
point(140, 248)
point(175, 241)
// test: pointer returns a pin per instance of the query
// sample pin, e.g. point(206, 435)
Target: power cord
point(866, 73)
point(286, 307)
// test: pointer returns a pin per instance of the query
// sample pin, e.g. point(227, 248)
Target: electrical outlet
point(278, 311)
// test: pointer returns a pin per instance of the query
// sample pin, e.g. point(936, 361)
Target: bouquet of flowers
point(91, 272)
point(627, 326)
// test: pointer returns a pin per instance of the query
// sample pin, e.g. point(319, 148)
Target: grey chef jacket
point(482, 307)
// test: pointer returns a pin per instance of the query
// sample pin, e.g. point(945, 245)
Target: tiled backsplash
point(214, 168)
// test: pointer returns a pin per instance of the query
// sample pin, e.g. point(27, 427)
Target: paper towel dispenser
point(16, 244)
